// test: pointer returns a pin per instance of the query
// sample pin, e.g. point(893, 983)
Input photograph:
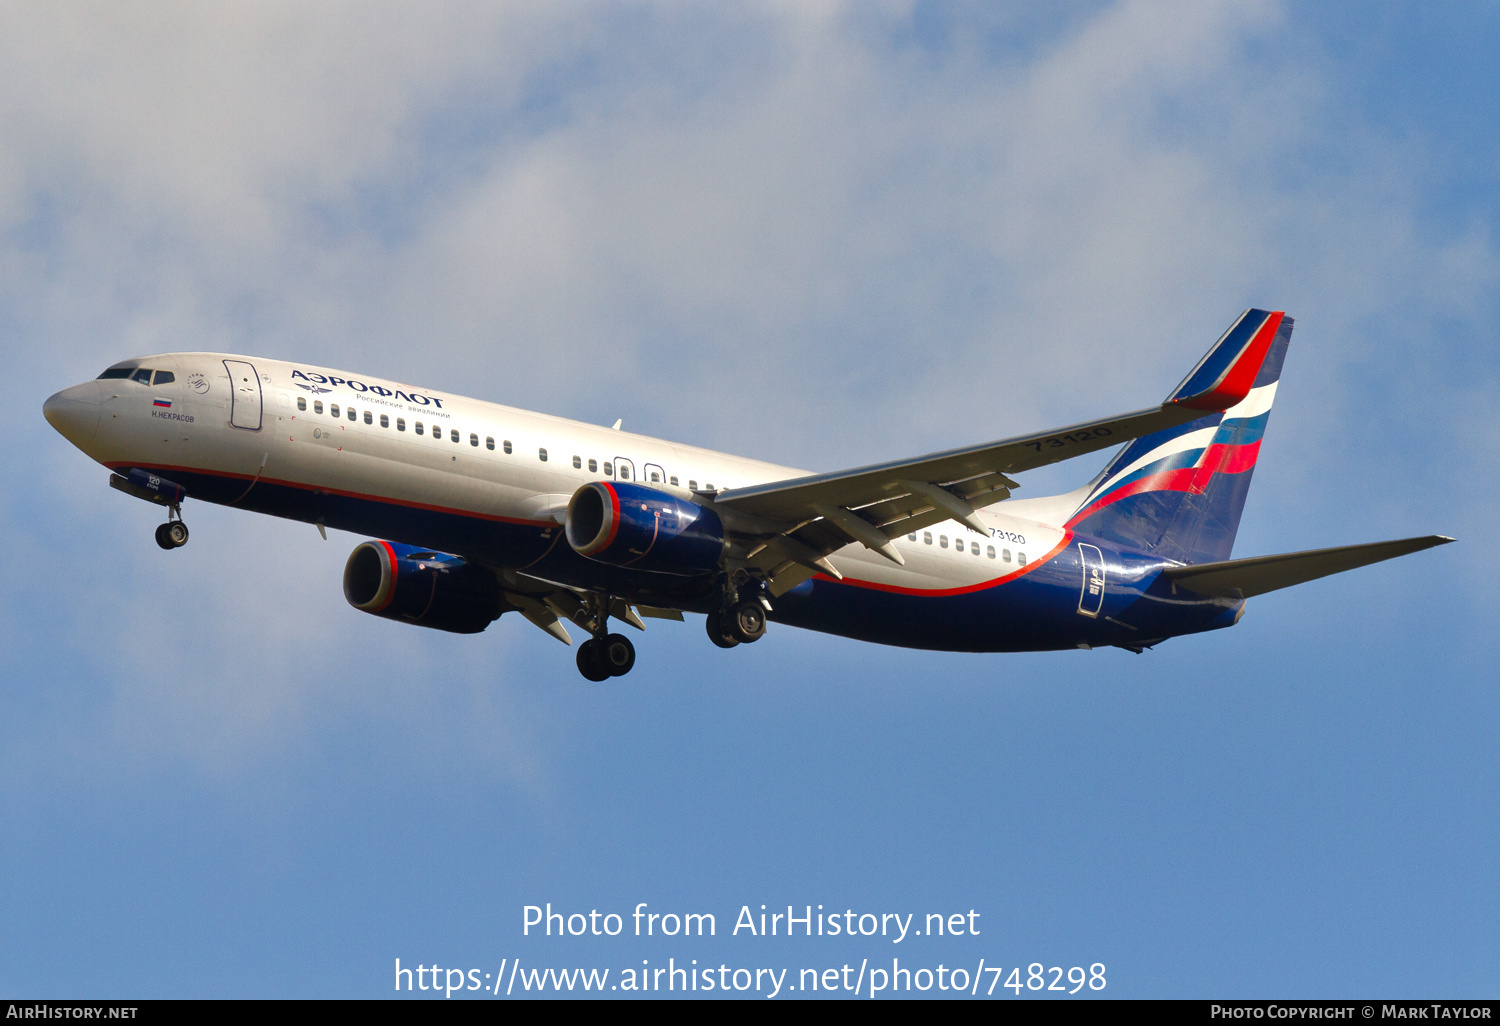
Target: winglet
point(1224, 376)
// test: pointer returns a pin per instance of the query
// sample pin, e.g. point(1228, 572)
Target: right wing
point(798, 522)
point(1246, 578)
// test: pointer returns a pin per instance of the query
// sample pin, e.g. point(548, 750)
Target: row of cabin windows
point(655, 476)
point(143, 375)
point(385, 422)
point(609, 470)
point(489, 443)
point(973, 546)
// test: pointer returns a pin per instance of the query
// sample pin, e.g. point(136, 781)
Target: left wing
point(791, 526)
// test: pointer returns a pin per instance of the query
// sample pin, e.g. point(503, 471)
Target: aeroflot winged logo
point(416, 398)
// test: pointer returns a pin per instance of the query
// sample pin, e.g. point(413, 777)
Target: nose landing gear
point(172, 535)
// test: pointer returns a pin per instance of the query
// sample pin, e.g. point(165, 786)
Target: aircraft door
point(1091, 596)
point(624, 469)
point(244, 395)
point(652, 474)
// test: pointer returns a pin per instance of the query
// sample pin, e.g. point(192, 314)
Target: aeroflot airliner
point(482, 509)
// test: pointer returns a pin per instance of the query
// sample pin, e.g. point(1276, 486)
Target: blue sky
point(817, 234)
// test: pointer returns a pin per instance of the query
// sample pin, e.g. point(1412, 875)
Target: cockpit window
point(163, 378)
point(118, 372)
point(143, 376)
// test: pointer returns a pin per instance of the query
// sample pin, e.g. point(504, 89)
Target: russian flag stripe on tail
point(1178, 493)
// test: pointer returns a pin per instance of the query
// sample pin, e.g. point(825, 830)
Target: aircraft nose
point(74, 412)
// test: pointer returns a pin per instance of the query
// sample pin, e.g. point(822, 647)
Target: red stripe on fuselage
point(337, 491)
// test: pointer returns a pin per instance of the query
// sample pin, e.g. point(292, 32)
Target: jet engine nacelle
point(629, 525)
point(429, 589)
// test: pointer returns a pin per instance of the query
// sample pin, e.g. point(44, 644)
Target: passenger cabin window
point(673, 482)
point(1020, 559)
point(990, 551)
point(541, 454)
point(473, 440)
point(692, 485)
point(400, 423)
point(116, 372)
point(1005, 555)
point(912, 536)
point(352, 414)
point(385, 420)
point(317, 406)
point(163, 378)
point(942, 541)
point(507, 446)
point(417, 427)
point(301, 403)
point(489, 443)
point(577, 463)
point(143, 376)
point(609, 469)
point(453, 435)
point(927, 537)
point(369, 419)
point(593, 466)
point(655, 477)
point(624, 472)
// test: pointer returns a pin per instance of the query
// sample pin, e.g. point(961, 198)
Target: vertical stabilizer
point(1178, 493)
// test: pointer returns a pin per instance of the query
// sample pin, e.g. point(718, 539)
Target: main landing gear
point(740, 622)
point(602, 658)
point(174, 533)
point(605, 655)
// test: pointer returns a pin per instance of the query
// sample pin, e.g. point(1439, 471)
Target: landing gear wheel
point(161, 537)
point(176, 533)
point(716, 632)
point(747, 621)
point(591, 661)
point(618, 654)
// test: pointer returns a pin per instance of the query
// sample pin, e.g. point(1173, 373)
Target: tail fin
point(1178, 493)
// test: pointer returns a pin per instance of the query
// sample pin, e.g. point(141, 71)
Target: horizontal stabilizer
point(1246, 578)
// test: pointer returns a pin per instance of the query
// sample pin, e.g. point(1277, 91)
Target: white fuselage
point(275, 422)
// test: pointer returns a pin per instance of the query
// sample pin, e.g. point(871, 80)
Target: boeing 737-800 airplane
point(490, 509)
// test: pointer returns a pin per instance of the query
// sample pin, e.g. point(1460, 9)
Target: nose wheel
point(172, 535)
